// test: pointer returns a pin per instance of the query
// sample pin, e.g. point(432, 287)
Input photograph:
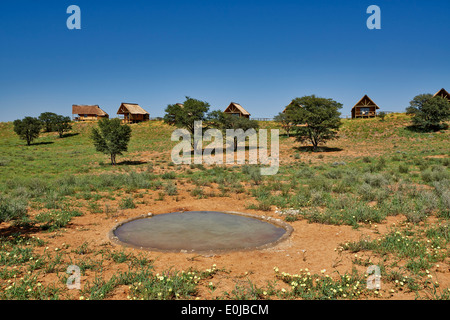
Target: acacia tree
point(111, 137)
point(223, 121)
point(48, 120)
point(185, 115)
point(28, 128)
point(62, 124)
point(316, 119)
point(285, 120)
point(429, 112)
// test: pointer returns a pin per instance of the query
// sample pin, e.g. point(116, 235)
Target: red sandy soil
point(311, 246)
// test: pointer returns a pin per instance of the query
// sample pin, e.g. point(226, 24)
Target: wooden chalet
point(235, 109)
point(365, 108)
point(443, 93)
point(87, 113)
point(132, 113)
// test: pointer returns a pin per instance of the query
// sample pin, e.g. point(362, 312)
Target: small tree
point(62, 124)
point(285, 120)
point(48, 120)
point(111, 137)
point(28, 128)
point(429, 112)
point(185, 116)
point(223, 121)
point(317, 119)
point(382, 115)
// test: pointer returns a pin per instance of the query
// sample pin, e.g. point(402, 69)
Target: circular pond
point(200, 231)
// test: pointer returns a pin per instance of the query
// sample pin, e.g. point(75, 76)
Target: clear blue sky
point(259, 53)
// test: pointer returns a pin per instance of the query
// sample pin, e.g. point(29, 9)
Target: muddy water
point(198, 231)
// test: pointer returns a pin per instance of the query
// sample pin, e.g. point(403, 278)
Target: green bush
point(56, 219)
point(168, 175)
point(127, 203)
point(171, 189)
point(375, 179)
point(12, 209)
point(403, 168)
point(435, 173)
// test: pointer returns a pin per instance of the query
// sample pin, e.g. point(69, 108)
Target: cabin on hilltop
point(365, 108)
point(443, 93)
point(235, 109)
point(88, 113)
point(132, 113)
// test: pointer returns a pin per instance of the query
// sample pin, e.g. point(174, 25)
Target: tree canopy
point(48, 120)
point(316, 119)
point(184, 116)
point(223, 121)
point(429, 113)
point(286, 119)
point(61, 124)
point(28, 128)
point(111, 137)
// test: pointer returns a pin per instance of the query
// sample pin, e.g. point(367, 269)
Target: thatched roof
point(238, 107)
point(443, 93)
point(366, 102)
point(85, 109)
point(132, 108)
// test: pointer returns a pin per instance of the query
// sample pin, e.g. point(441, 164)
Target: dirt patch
point(313, 246)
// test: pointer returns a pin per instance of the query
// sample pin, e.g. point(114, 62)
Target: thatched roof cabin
point(443, 93)
point(133, 113)
point(87, 113)
point(365, 108)
point(236, 109)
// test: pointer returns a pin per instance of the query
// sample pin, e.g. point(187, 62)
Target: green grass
point(406, 173)
point(306, 285)
point(56, 219)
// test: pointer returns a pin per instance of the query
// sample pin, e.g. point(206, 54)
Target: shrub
point(430, 113)
point(171, 189)
point(12, 209)
point(304, 173)
point(435, 173)
point(197, 192)
point(54, 220)
point(403, 168)
point(256, 177)
point(253, 172)
point(375, 180)
point(127, 203)
point(264, 206)
point(379, 165)
point(168, 175)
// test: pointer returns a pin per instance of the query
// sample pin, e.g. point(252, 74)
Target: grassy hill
point(59, 168)
point(374, 170)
